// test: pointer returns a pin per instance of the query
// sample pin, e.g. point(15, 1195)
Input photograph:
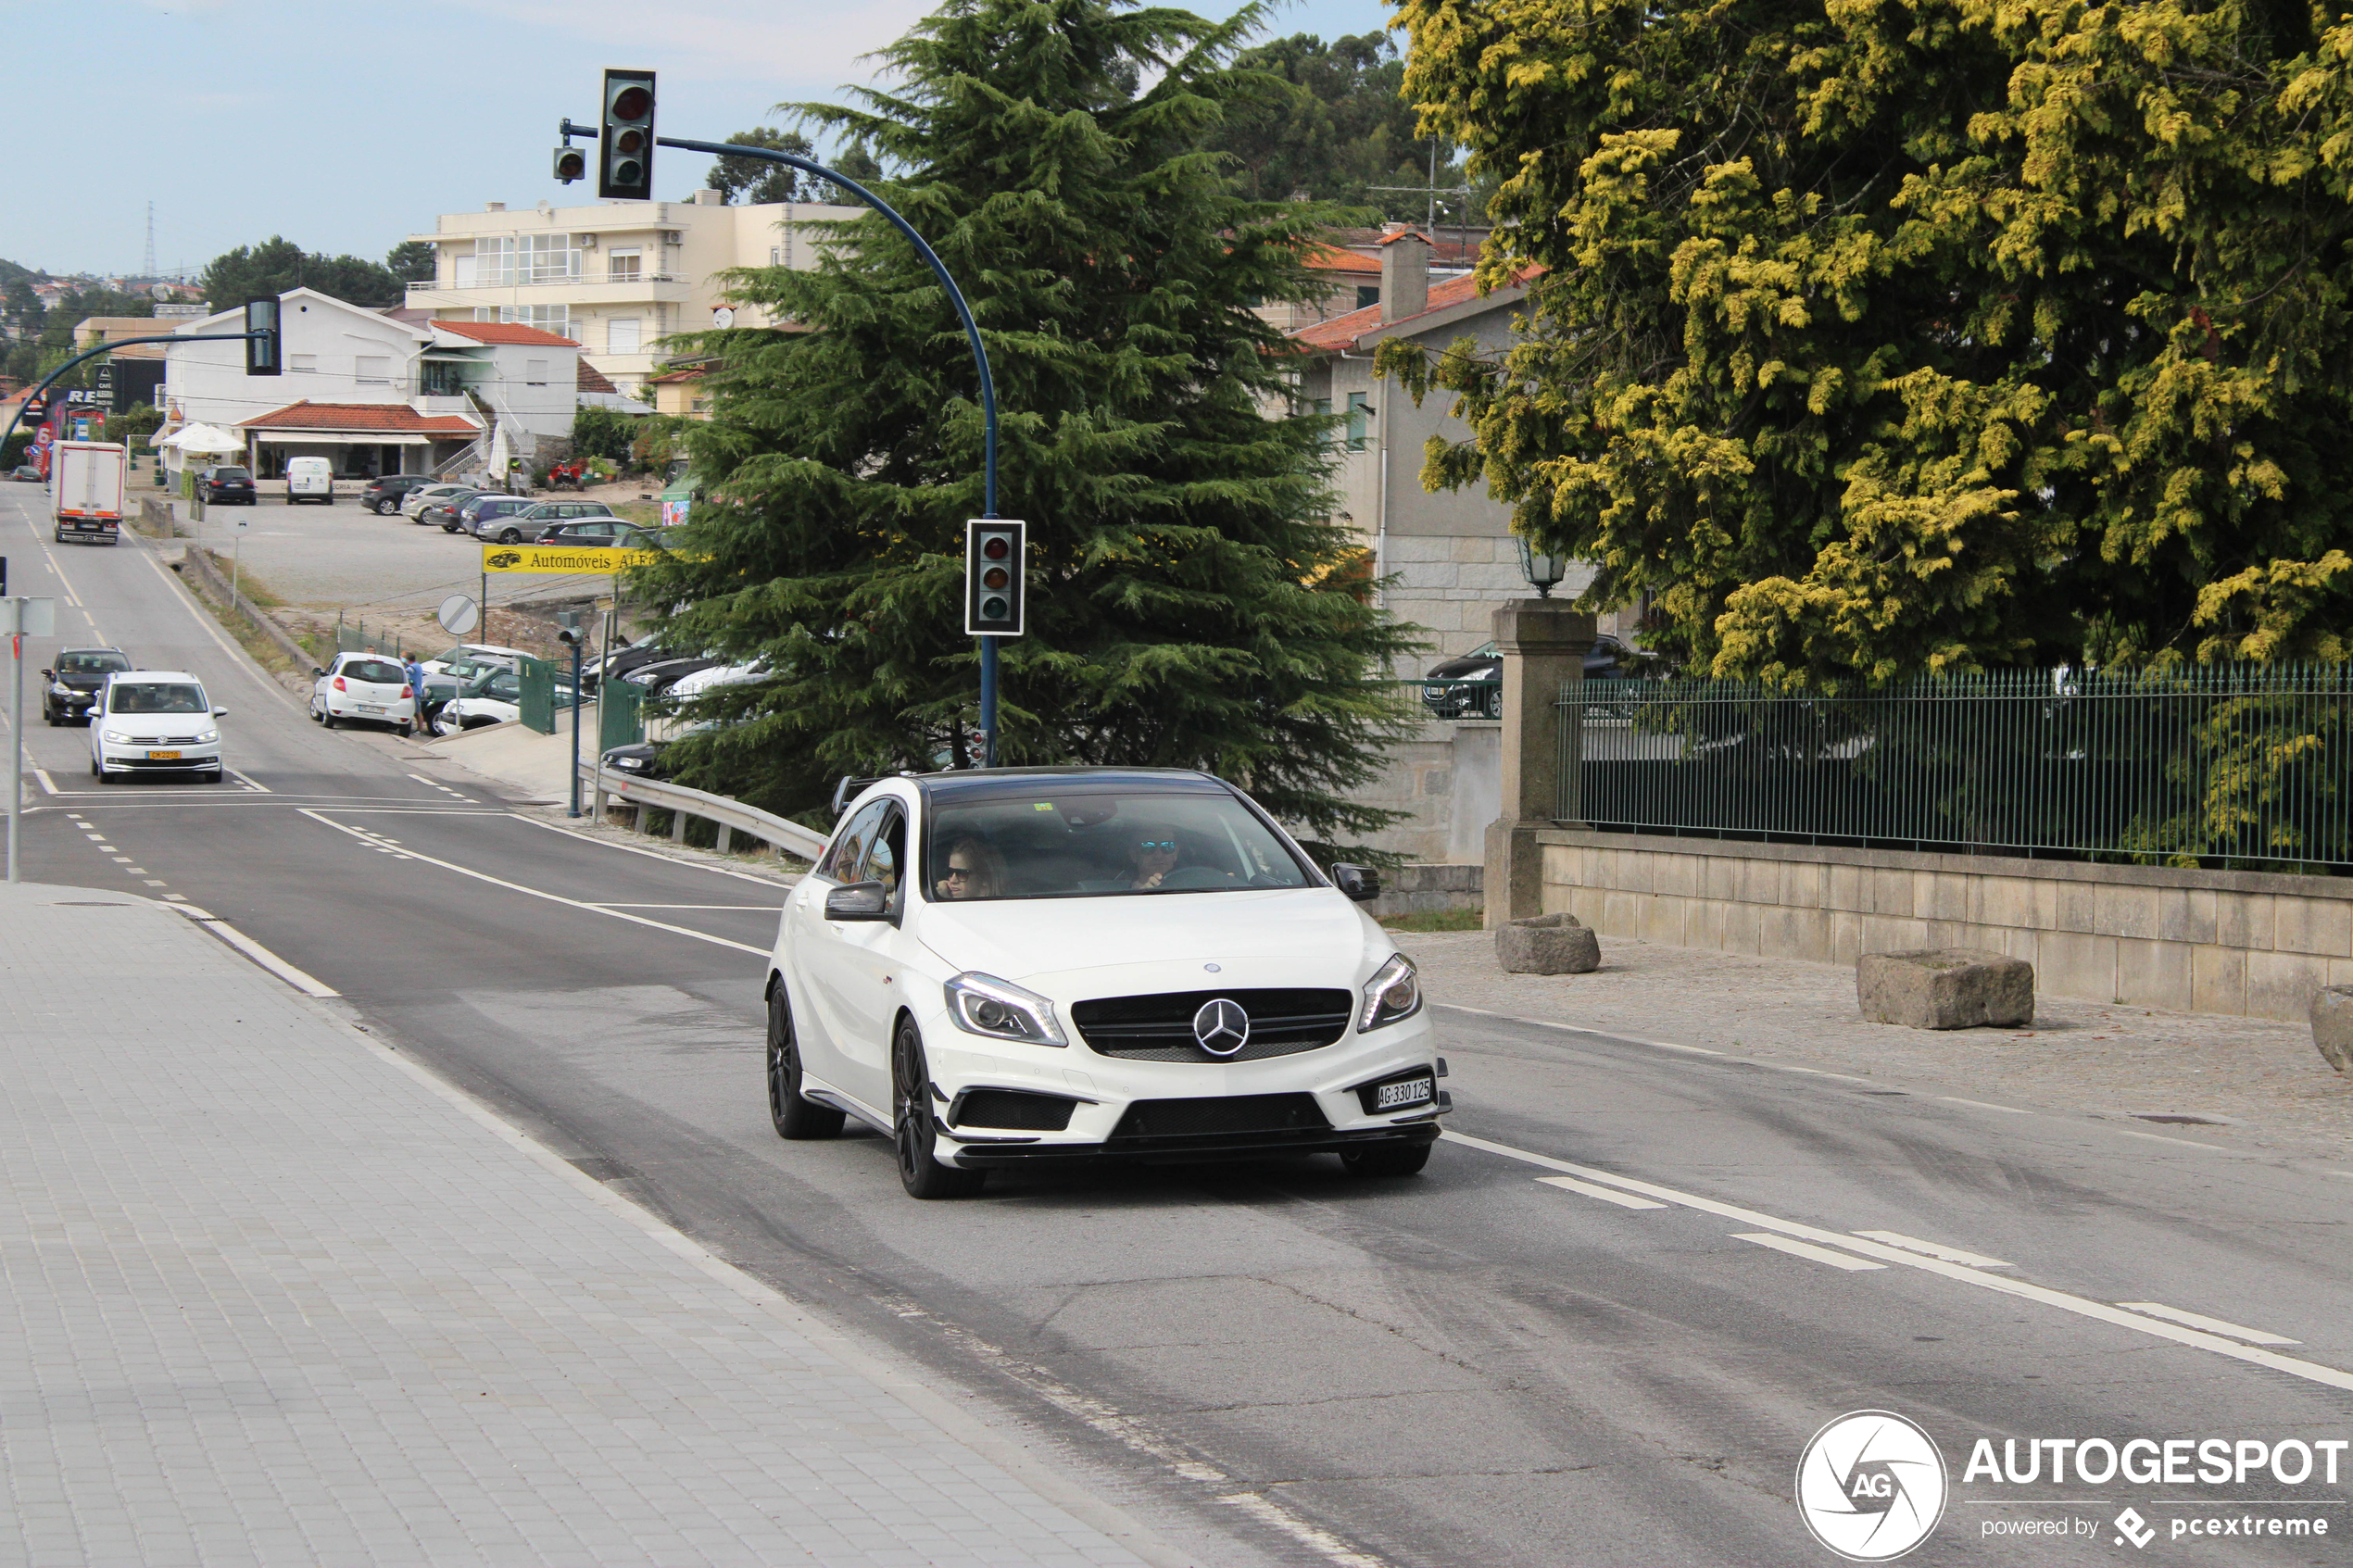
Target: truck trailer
point(86, 478)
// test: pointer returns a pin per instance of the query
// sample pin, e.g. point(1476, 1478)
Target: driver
point(975, 870)
point(1152, 854)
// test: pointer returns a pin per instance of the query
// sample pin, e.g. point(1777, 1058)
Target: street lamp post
point(971, 336)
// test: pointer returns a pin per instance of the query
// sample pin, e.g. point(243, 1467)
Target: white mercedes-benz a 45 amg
point(1011, 965)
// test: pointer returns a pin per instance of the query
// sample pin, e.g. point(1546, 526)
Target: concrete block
point(2217, 979)
point(2201, 923)
point(2154, 975)
point(1760, 883)
point(2004, 902)
point(1792, 933)
point(2125, 911)
point(1740, 928)
point(1888, 934)
point(2281, 985)
point(1945, 988)
point(1724, 878)
point(2332, 1026)
point(1941, 896)
point(2313, 925)
point(2246, 920)
point(1889, 893)
point(1663, 921)
point(1553, 944)
point(1846, 887)
point(1679, 876)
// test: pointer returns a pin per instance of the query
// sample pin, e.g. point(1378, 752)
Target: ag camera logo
point(1871, 1486)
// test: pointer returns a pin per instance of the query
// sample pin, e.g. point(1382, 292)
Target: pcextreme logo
point(1871, 1486)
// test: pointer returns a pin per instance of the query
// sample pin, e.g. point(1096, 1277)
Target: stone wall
point(1413, 890)
point(2190, 941)
point(1447, 780)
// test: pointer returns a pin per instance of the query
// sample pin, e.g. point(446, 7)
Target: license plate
point(163, 757)
point(1413, 1091)
point(371, 707)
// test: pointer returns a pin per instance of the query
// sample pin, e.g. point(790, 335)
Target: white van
point(311, 479)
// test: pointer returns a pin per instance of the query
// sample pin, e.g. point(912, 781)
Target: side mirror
point(859, 900)
point(48, 674)
point(316, 670)
point(220, 713)
point(1360, 883)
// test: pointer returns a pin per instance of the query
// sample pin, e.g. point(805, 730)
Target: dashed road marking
point(1808, 1250)
point(1623, 1199)
point(2211, 1325)
point(1933, 1249)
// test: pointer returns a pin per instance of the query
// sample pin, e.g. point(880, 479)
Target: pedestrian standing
point(415, 673)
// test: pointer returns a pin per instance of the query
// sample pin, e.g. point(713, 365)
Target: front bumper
point(135, 760)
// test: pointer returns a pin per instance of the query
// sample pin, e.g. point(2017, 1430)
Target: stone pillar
point(1543, 643)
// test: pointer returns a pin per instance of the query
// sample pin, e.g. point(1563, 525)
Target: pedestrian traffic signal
point(994, 552)
point(262, 357)
point(625, 154)
point(571, 165)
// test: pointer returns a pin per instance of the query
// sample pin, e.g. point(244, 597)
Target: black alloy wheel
point(913, 1129)
point(795, 1117)
point(1396, 1159)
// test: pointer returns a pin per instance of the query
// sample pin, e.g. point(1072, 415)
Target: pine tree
point(1189, 603)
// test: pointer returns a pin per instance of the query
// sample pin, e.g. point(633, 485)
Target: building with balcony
point(618, 278)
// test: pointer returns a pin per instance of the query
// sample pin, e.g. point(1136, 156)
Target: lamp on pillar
point(1544, 572)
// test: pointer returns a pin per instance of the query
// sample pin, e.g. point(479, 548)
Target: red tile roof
point(689, 372)
point(1331, 259)
point(1341, 332)
point(368, 419)
point(504, 331)
point(591, 378)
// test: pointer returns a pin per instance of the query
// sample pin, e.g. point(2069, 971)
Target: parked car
point(225, 484)
point(25, 474)
point(620, 661)
point(642, 760)
point(74, 683)
point(364, 688)
point(484, 653)
point(602, 532)
point(967, 936)
point(537, 518)
point(488, 508)
point(496, 698)
point(442, 511)
point(383, 495)
point(697, 682)
point(311, 479)
point(414, 502)
point(1610, 658)
point(155, 721)
point(655, 679)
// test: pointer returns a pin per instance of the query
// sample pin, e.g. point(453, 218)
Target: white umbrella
point(204, 438)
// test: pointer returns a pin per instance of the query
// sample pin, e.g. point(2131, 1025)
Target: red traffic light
point(631, 103)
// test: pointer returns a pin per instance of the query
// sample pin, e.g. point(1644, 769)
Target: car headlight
point(1394, 992)
point(58, 688)
point(631, 763)
point(116, 737)
point(982, 1004)
point(206, 738)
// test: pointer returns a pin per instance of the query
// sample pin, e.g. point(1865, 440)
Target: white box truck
point(87, 480)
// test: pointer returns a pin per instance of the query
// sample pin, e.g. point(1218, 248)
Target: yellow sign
point(546, 559)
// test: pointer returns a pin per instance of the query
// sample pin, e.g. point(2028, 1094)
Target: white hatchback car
point(154, 721)
point(1012, 965)
point(363, 688)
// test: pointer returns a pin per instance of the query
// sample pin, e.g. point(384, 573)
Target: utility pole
point(568, 633)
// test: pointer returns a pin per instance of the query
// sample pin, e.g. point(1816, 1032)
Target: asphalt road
point(1599, 1329)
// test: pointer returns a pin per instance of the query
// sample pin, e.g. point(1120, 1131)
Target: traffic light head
point(262, 357)
point(571, 165)
point(995, 603)
point(625, 149)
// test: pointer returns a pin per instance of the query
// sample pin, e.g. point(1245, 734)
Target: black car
point(73, 684)
point(384, 496)
point(654, 679)
point(225, 484)
point(642, 760)
point(1608, 659)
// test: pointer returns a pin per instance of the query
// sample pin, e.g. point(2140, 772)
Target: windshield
point(91, 663)
point(156, 696)
point(1074, 843)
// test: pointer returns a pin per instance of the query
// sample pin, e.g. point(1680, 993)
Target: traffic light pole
point(30, 397)
point(971, 336)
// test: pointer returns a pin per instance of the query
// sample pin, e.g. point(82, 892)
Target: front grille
point(1012, 1109)
point(1159, 1028)
point(1213, 1116)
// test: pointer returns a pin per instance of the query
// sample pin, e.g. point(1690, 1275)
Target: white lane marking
point(71, 597)
point(1933, 1250)
point(1315, 1539)
point(649, 853)
point(2340, 1176)
point(1623, 1199)
point(2185, 1142)
point(1981, 1105)
point(307, 984)
point(1984, 1280)
point(762, 908)
point(2211, 1325)
point(249, 781)
point(48, 785)
point(363, 837)
point(1808, 1250)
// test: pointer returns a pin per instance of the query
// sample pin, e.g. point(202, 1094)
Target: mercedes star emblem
point(1221, 1027)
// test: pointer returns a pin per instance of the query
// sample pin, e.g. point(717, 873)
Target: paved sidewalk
point(2261, 1081)
point(273, 1297)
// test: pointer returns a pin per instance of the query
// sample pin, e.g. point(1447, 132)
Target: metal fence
point(619, 722)
point(2247, 765)
point(353, 637)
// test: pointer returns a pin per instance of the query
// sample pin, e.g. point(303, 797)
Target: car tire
point(406, 729)
point(795, 1117)
point(912, 1130)
point(327, 718)
point(1395, 1159)
point(511, 536)
point(1491, 704)
point(209, 776)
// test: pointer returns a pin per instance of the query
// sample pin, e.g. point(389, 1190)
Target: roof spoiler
point(848, 790)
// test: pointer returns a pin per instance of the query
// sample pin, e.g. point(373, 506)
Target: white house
point(375, 394)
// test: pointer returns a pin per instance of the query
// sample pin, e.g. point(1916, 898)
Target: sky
point(347, 126)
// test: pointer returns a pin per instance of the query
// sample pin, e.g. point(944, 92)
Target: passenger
point(1153, 855)
point(975, 870)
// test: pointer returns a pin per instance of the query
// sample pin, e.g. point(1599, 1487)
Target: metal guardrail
point(2237, 763)
point(731, 816)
